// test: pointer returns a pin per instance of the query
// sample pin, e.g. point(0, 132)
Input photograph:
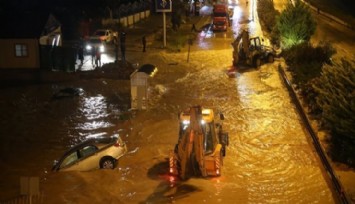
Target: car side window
point(87, 151)
point(70, 159)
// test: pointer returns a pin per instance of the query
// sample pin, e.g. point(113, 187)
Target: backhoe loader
point(201, 145)
point(251, 51)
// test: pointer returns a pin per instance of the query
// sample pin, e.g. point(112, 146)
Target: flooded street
point(269, 158)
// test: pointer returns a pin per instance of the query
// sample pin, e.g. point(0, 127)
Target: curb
point(343, 198)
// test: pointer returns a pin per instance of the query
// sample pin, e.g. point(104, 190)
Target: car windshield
point(100, 32)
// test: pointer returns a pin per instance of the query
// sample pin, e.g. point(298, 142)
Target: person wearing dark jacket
point(81, 54)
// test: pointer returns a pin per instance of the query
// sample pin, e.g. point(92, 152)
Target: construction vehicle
point(201, 145)
point(251, 51)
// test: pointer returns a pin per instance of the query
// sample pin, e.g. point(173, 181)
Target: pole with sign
point(164, 6)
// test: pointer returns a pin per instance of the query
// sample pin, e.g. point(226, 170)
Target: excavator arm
point(199, 151)
point(240, 54)
point(190, 149)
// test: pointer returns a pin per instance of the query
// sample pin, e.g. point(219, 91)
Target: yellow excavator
point(251, 51)
point(201, 145)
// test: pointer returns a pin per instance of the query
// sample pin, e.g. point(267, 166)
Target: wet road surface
point(269, 160)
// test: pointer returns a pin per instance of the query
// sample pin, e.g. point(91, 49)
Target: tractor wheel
point(257, 62)
point(270, 58)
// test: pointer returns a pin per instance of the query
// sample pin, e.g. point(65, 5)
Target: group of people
point(96, 54)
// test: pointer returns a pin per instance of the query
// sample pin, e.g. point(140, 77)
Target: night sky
point(22, 5)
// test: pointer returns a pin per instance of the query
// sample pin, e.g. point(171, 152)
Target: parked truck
point(201, 145)
point(221, 20)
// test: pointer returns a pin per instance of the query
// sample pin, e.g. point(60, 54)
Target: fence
point(128, 14)
point(127, 21)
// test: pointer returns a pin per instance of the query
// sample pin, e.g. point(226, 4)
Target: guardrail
point(337, 185)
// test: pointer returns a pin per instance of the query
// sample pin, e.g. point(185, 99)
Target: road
point(269, 160)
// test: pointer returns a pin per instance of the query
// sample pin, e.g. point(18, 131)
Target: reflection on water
point(37, 129)
point(94, 107)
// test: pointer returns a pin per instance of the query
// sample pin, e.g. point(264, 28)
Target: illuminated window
point(21, 50)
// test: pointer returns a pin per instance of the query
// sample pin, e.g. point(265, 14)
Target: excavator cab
point(255, 44)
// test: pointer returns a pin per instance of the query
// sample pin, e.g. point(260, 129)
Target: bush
point(306, 61)
point(295, 24)
point(267, 15)
point(336, 99)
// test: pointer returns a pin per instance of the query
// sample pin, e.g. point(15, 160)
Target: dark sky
point(20, 5)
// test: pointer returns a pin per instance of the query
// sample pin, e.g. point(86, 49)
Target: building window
point(21, 50)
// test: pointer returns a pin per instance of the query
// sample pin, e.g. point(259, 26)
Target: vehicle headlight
point(88, 47)
point(185, 122)
point(102, 48)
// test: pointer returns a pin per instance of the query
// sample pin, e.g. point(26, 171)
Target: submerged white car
point(92, 154)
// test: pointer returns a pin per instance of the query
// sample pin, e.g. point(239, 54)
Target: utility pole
point(164, 28)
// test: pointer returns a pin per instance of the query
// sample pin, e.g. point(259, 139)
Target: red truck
point(220, 17)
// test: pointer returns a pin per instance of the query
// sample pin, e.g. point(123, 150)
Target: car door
point(89, 158)
point(70, 162)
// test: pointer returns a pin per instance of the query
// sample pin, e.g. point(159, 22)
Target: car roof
point(91, 141)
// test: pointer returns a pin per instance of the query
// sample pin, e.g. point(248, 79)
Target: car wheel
point(107, 163)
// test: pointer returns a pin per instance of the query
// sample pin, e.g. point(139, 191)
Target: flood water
point(269, 158)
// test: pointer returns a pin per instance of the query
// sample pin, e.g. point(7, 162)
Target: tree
point(306, 61)
point(337, 97)
point(295, 24)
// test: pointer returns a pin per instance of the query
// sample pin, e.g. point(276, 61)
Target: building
point(21, 38)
